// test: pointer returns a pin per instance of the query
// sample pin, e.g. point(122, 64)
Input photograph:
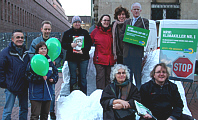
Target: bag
point(123, 113)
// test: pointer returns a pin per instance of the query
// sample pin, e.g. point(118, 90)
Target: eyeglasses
point(136, 9)
point(161, 72)
point(18, 37)
point(42, 48)
point(106, 20)
point(121, 73)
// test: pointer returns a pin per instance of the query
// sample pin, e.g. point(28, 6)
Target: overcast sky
point(76, 7)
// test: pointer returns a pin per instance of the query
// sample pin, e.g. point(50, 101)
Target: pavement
point(193, 106)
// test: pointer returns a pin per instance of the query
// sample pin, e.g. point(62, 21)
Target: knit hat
point(76, 18)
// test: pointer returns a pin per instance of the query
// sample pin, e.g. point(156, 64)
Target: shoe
point(52, 116)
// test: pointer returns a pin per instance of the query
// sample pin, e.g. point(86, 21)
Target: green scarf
point(124, 89)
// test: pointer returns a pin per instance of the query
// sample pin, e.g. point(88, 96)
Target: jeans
point(23, 105)
point(53, 99)
point(82, 74)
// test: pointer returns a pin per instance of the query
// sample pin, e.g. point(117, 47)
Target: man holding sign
point(133, 53)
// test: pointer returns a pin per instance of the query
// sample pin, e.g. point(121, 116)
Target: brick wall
point(28, 15)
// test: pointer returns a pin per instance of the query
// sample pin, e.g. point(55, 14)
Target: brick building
point(28, 15)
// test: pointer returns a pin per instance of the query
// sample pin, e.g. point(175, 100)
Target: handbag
point(123, 113)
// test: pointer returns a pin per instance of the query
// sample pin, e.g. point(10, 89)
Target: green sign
point(179, 39)
point(136, 35)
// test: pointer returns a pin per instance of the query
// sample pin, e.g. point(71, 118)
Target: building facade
point(86, 21)
point(28, 15)
point(151, 9)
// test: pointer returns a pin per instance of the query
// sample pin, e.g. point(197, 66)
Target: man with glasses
point(132, 54)
point(162, 97)
point(13, 63)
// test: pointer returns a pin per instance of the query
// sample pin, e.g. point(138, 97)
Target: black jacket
point(108, 94)
point(12, 69)
point(163, 101)
point(68, 39)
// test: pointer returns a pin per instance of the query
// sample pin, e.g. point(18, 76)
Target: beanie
point(76, 18)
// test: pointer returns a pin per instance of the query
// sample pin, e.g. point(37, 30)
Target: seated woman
point(162, 97)
point(120, 94)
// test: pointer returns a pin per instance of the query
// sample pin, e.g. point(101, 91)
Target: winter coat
point(40, 89)
point(163, 101)
point(68, 39)
point(103, 42)
point(33, 45)
point(12, 69)
point(108, 95)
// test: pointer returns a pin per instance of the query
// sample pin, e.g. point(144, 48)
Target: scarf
point(123, 88)
point(19, 49)
point(114, 37)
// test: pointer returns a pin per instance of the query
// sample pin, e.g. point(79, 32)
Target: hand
point(147, 116)
point(80, 52)
point(73, 45)
point(125, 104)
point(117, 106)
point(45, 77)
point(54, 63)
point(169, 119)
point(51, 80)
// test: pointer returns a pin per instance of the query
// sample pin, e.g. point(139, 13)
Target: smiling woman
point(81, 8)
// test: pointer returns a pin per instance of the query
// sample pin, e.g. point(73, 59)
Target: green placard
point(179, 39)
point(136, 35)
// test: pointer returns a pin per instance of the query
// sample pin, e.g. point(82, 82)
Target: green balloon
point(40, 64)
point(54, 48)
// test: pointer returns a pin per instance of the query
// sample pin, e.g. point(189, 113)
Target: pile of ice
point(78, 106)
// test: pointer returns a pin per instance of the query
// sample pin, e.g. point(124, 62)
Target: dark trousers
point(102, 76)
point(40, 108)
point(119, 59)
point(53, 100)
point(134, 64)
point(82, 68)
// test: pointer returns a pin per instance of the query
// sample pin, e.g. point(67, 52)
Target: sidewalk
point(15, 111)
point(193, 106)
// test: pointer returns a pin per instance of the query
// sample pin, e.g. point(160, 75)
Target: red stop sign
point(182, 67)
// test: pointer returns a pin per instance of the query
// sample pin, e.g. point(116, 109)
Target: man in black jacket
point(77, 58)
point(162, 96)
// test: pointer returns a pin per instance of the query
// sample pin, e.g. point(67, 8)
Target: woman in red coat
point(103, 56)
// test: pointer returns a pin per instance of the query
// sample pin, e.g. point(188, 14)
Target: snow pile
point(78, 106)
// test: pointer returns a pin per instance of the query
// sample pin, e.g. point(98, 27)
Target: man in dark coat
point(132, 54)
point(13, 63)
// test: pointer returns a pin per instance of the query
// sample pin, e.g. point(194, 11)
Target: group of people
point(17, 75)
point(109, 47)
point(159, 94)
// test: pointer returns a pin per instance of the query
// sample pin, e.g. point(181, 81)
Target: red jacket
point(103, 46)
